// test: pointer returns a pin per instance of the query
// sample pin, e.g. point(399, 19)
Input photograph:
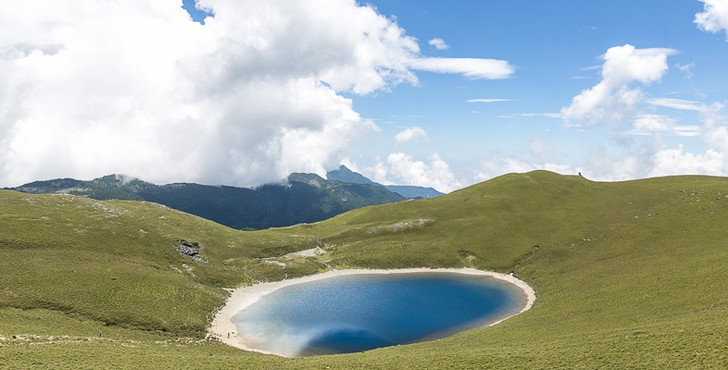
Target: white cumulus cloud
point(613, 96)
point(91, 87)
point(439, 44)
point(677, 162)
point(714, 17)
point(401, 168)
point(411, 134)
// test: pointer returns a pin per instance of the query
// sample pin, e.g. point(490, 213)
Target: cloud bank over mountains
point(93, 87)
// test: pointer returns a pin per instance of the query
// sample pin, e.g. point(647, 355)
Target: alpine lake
point(359, 312)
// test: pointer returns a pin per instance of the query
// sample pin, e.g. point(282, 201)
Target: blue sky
point(430, 93)
point(557, 48)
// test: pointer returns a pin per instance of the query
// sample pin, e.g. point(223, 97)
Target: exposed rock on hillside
point(190, 249)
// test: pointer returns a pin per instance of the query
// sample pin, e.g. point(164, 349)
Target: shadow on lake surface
point(359, 312)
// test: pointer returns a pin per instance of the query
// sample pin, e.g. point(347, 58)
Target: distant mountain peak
point(307, 178)
point(344, 174)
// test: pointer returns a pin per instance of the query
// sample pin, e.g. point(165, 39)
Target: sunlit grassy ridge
point(629, 274)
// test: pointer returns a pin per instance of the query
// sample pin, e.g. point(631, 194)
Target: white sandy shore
point(224, 329)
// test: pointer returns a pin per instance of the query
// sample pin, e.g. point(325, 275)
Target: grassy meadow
point(627, 274)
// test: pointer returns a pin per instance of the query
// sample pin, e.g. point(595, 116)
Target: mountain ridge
point(408, 191)
point(304, 198)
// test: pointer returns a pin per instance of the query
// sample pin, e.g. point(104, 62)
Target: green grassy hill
point(628, 275)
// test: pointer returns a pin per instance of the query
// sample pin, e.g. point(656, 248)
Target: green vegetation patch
point(628, 275)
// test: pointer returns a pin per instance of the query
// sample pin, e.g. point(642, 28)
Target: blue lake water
point(353, 313)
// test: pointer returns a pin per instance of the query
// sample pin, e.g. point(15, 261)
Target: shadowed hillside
point(304, 198)
point(628, 275)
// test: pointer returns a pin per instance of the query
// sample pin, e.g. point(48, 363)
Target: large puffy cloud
point(613, 97)
point(677, 162)
point(77, 94)
point(714, 18)
point(92, 87)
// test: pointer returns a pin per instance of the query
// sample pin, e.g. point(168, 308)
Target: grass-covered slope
point(629, 274)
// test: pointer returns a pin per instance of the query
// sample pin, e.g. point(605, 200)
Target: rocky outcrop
point(190, 249)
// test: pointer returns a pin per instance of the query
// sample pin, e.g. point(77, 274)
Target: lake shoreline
point(223, 328)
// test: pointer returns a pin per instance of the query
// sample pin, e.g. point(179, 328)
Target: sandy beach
point(224, 329)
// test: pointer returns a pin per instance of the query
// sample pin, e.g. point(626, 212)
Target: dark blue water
point(354, 313)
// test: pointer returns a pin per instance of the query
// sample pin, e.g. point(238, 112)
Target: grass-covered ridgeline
point(628, 275)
